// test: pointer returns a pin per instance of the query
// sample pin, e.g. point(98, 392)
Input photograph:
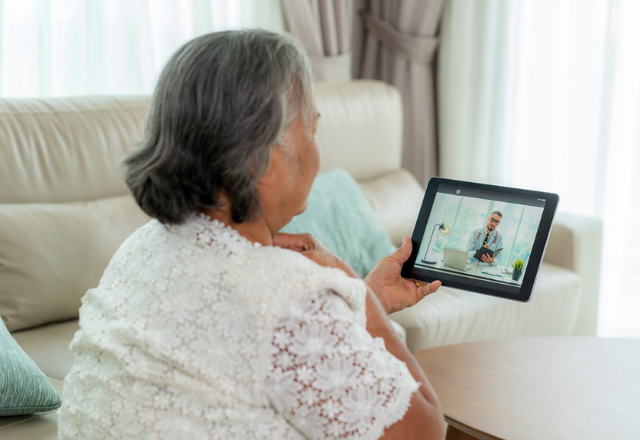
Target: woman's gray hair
point(222, 102)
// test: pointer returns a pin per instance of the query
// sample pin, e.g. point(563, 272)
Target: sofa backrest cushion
point(71, 149)
point(360, 127)
point(67, 149)
point(396, 199)
point(51, 254)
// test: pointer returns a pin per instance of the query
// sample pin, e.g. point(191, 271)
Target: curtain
point(473, 79)
point(325, 28)
point(77, 47)
point(399, 48)
point(546, 95)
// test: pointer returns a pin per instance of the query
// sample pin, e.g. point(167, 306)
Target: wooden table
point(538, 388)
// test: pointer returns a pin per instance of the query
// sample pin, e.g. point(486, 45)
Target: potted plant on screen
point(518, 267)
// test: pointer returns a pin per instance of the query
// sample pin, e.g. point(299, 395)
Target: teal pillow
point(340, 217)
point(24, 389)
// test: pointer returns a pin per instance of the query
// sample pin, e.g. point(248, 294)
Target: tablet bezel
point(479, 285)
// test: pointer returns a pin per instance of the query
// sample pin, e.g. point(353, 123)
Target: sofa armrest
point(575, 243)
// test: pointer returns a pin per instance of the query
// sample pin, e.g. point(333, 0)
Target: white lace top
point(196, 333)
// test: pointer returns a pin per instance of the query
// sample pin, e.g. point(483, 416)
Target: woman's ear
point(269, 176)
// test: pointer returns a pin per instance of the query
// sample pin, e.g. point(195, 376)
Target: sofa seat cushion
point(48, 346)
point(452, 316)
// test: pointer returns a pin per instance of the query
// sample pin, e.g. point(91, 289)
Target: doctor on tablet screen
point(487, 237)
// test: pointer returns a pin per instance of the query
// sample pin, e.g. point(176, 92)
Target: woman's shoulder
point(214, 256)
point(289, 275)
point(196, 242)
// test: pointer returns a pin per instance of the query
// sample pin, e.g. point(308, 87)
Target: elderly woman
point(208, 324)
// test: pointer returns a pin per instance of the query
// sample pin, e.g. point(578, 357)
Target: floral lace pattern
point(330, 378)
point(194, 332)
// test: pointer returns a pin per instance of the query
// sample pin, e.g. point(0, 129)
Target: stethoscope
point(494, 238)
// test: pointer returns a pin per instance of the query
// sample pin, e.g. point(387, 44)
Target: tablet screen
point(481, 238)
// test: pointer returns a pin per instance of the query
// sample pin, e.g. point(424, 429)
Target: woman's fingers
point(295, 242)
point(403, 253)
point(425, 290)
point(422, 289)
point(432, 287)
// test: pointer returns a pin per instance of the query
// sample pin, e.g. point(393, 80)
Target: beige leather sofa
point(64, 210)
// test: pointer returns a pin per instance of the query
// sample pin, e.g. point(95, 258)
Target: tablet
point(464, 217)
